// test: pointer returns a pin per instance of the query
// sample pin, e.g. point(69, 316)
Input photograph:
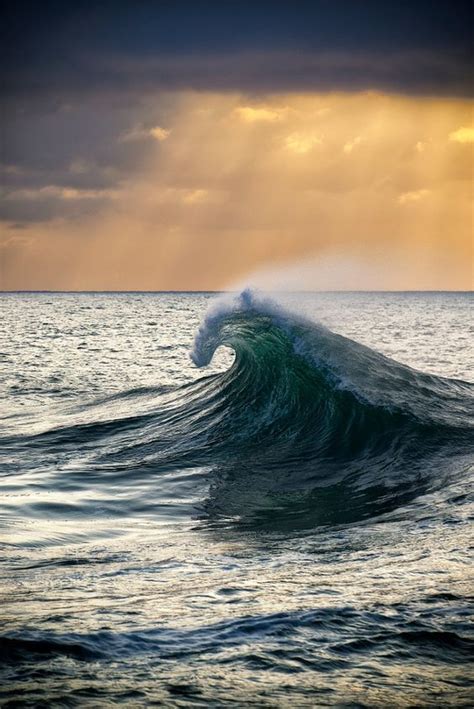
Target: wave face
point(310, 411)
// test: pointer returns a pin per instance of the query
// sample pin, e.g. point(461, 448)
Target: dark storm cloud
point(75, 146)
point(23, 206)
point(422, 46)
point(78, 76)
point(57, 138)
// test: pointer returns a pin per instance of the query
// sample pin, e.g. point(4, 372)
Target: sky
point(198, 145)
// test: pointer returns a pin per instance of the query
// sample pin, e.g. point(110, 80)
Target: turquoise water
point(282, 522)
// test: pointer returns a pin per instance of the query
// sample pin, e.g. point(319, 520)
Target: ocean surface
point(239, 500)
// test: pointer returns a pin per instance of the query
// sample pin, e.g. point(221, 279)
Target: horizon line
point(215, 291)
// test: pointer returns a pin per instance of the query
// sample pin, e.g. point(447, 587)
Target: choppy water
point(286, 523)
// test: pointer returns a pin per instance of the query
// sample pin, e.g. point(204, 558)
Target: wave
point(297, 379)
point(319, 412)
point(380, 629)
point(264, 335)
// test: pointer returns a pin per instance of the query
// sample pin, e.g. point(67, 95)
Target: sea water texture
point(236, 500)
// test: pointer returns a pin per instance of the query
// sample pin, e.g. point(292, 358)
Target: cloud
point(141, 133)
point(66, 193)
point(248, 114)
point(45, 144)
point(196, 196)
point(302, 143)
point(351, 144)
point(45, 203)
point(462, 135)
point(413, 196)
point(159, 133)
point(80, 167)
point(71, 49)
point(271, 71)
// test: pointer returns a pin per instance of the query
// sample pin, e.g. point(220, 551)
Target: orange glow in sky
point(231, 184)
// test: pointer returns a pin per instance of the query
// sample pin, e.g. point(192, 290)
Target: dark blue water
point(289, 526)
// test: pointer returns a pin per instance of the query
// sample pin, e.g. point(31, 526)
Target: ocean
point(213, 500)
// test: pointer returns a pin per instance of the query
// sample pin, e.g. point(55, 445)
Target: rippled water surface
point(284, 522)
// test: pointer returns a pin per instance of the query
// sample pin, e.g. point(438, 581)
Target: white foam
point(224, 306)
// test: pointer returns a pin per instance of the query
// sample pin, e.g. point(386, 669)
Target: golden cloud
point(414, 196)
point(351, 144)
point(159, 133)
point(302, 142)
point(462, 135)
point(249, 114)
